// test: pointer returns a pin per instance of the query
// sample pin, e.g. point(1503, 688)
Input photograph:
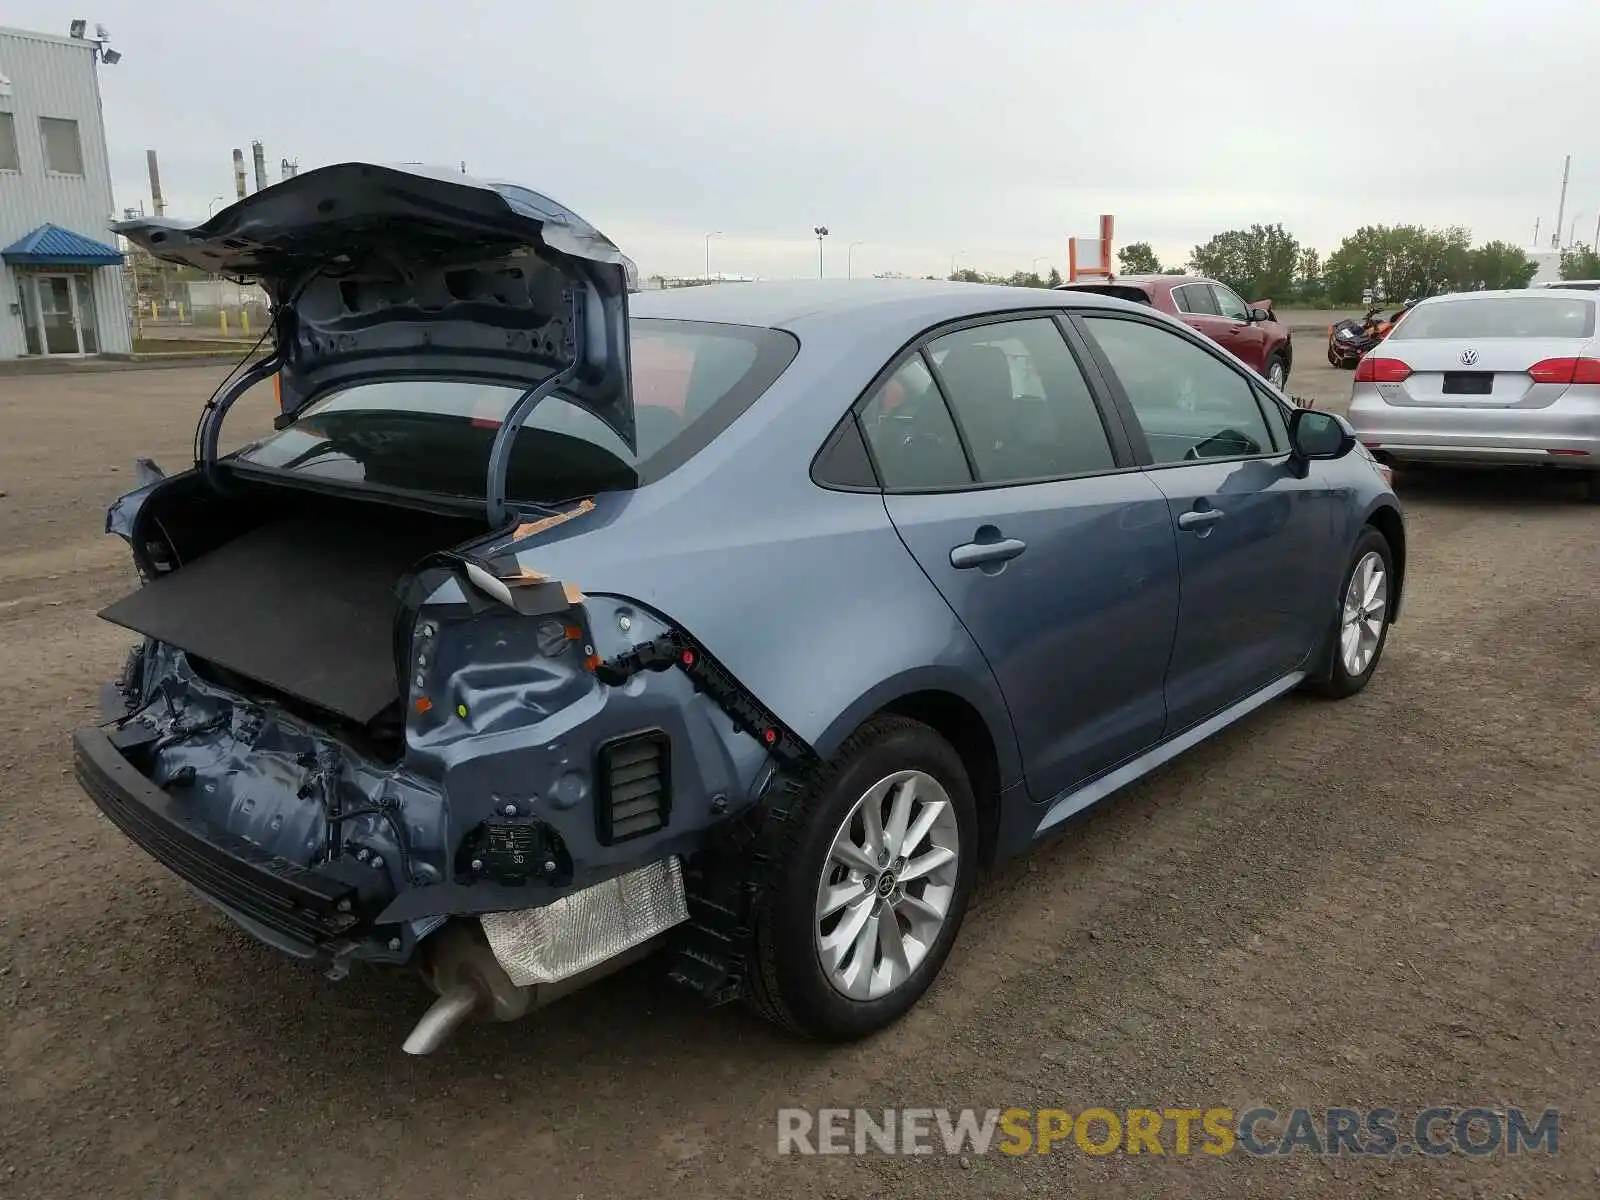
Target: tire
point(1276, 362)
point(1591, 487)
point(790, 984)
point(1345, 674)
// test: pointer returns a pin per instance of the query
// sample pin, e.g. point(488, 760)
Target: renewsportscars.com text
point(1475, 1131)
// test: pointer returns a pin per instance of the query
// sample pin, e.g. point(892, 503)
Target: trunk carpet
point(302, 605)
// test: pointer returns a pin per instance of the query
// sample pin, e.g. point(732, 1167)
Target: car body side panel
point(846, 620)
point(1079, 626)
point(1256, 585)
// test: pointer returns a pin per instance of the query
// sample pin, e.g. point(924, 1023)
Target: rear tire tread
point(782, 833)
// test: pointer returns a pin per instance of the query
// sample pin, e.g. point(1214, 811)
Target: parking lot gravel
point(1390, 901)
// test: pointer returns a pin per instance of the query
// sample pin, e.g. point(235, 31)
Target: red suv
point(1250, 332)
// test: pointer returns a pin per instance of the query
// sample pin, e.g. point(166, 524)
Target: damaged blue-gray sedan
point(554, 625)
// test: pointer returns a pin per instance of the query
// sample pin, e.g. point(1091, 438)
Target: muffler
point(470, 982)
point(505, 963)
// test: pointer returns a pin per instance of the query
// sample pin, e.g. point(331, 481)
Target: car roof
point(1501, 294)
point(858, 306)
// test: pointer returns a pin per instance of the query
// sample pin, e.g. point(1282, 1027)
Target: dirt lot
point(1390, 901)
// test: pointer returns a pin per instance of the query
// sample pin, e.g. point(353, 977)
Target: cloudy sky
point(926, 131)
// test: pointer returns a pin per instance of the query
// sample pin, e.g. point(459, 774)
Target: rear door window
point(1023, 404)
point(1196, 298)
point(1190, 405)
point(1530, 316)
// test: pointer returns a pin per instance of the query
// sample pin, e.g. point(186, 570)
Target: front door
point(1240, 335)
point(1016, 498)
point(1256, 544)
point(58, 314)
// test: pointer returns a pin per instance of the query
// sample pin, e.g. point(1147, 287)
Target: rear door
point(1197, 306)
point(1021, 501)
point(1502, 351)
point(1258, 548)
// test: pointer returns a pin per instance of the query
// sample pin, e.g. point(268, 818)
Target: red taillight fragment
point(1566, 370)
point(1575, 453)
point(1382, 370)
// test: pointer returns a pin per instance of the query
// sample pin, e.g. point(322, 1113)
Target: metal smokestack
point(156, 201)
point(260, 156)
point(238, 173)
point(1561, 208)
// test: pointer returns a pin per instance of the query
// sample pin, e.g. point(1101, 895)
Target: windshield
point(1499, 317)
point(690, 380)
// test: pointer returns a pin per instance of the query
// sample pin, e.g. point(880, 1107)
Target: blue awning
point(53, 246)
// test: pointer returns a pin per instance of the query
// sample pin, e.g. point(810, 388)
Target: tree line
point(1394, 262)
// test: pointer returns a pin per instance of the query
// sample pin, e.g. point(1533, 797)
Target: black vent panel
point(635, 786)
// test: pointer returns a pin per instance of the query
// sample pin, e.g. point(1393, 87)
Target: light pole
point(821, 231)
point(1572, 230)
point(1037, 260)
point(709, 236)
point(212, 207)
point(850, 259)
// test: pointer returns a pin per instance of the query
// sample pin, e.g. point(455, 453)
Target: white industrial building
point(61, 288)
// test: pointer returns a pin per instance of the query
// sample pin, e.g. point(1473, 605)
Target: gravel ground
point(1393, 900)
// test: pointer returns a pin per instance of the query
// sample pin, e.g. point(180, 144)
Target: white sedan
point(1487, 379)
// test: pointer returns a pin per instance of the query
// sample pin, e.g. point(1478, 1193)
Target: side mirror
point(1317, 435)
point(1257, 314)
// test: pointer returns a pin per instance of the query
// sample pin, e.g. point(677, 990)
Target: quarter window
point(913, 439)
point(1023, 404)
point(1190, 404)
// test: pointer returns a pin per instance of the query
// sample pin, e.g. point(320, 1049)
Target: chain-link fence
point(169, 303)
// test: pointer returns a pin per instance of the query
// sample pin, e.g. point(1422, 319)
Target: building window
point(9, 161)
point(63, 152)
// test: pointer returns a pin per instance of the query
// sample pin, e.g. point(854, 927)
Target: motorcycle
point(1350, 340)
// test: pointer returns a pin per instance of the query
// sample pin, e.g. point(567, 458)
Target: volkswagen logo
point(1469, 358)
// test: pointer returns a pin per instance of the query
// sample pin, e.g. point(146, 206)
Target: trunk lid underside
point(380, 273)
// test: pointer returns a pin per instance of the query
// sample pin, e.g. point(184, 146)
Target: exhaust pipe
point(440, 1021)
point(462, 969)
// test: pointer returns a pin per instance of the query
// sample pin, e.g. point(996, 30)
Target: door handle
point(977, 554)
point(1200, 518)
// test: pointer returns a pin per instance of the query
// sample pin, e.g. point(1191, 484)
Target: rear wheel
point(1361, 621)
point(875, 868)
point(1277, 371)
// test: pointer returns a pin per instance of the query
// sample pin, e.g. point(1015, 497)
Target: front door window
point(55, 314)
point(30, 314)
point(88, 329)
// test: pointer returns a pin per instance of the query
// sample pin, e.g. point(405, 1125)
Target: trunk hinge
point(209, 430)
point(500, 451)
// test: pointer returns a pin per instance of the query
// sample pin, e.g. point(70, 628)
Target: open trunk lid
point(408, 273)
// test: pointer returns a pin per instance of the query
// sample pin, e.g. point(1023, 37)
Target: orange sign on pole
point(1090, 258)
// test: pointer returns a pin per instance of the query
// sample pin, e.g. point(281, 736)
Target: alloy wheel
point(1366, 600)
point(887, 885)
